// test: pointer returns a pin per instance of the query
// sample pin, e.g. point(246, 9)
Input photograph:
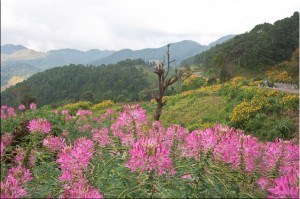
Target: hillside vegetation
point(264, 46)
point(120, 82)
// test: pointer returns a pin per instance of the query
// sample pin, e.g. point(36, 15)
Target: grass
point(195, 112)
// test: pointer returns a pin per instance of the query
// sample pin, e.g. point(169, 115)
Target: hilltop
point(29, 61)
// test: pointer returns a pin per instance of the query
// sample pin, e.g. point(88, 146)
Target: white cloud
point(116, 24)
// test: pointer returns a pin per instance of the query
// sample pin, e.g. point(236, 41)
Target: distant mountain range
point(21, 62)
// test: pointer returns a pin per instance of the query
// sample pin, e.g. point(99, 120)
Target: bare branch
point(163, 83)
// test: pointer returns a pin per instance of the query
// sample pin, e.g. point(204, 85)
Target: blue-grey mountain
point(14, 57)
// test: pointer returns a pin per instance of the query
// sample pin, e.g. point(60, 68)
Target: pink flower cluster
point(83, 114)
point(20, 154)
point(73, 162)
point(101, 136)
point(21, 107)
point(18, 176)
point(66, 114)
point(84, 128)
point(104, 116)
point(81, 189)
point(39, 125)
point(12, 187)
point(128, 126)
point(6, 140)
point(232, 146)
point(7, 112)
point(32, 106)
point(150, 154)
point(54, 143)
point(284, 188)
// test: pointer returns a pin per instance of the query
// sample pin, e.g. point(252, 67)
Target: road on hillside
point(285, 87)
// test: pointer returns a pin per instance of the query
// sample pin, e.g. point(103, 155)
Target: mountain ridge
point(16, 55)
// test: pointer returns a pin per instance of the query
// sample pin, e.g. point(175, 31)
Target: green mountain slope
point(265, 45)
point(122, 81)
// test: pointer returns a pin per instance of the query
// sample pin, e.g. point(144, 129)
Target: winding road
point(285, 87)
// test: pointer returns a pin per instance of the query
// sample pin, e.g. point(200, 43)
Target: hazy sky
point(116, 24)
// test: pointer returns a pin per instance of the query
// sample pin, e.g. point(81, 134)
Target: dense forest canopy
point(265, 45)
point(121, 81)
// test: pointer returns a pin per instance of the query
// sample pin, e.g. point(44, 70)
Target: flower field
point(59, 154)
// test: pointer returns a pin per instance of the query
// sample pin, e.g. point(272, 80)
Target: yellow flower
point(103, 104)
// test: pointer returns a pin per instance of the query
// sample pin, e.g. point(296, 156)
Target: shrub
point(74, 107)
point(290, 101)
point(211, 81)
point(103, 104)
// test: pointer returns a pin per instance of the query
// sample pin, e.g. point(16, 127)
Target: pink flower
point(32, 158)
point(186, 176)
point(12, 189)
point(101, 136)
point(75, 159)
point(3, 114)
point(283, 188)
point(252, 152)
point(228, 148)
point(22, 107)
point(129, 124)
point(39, 125)
point(104, 116)
point(68, 117)
point(64, 133)
point(192, 146)
point(84, 128)
point(177, 132)
point(54, 143)
point(2, 149)
point(66, 175)
point(80, 189)
point(114, 153)
point(21, 174)
point(64, 112)
point(20, 155)
point(263, 182)
point(149, 155)
point(11, 112)
point(84, 112)
point(13, 185)
point(7, 138)
point(54, 111)
point(32, 106)
point(7, 112)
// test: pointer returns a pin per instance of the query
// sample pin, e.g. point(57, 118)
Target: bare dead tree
point(163, 82)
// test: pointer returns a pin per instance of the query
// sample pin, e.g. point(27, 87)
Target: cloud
point(116, 24)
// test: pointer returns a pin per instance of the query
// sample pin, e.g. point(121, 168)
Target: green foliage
point(79, 82)
point(194, 84)
point(194, 112)
point(265, 45)
point(211, 81)
point(74, 107)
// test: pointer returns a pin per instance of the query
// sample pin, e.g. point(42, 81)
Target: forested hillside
point(265, 45)
point(122, 81)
